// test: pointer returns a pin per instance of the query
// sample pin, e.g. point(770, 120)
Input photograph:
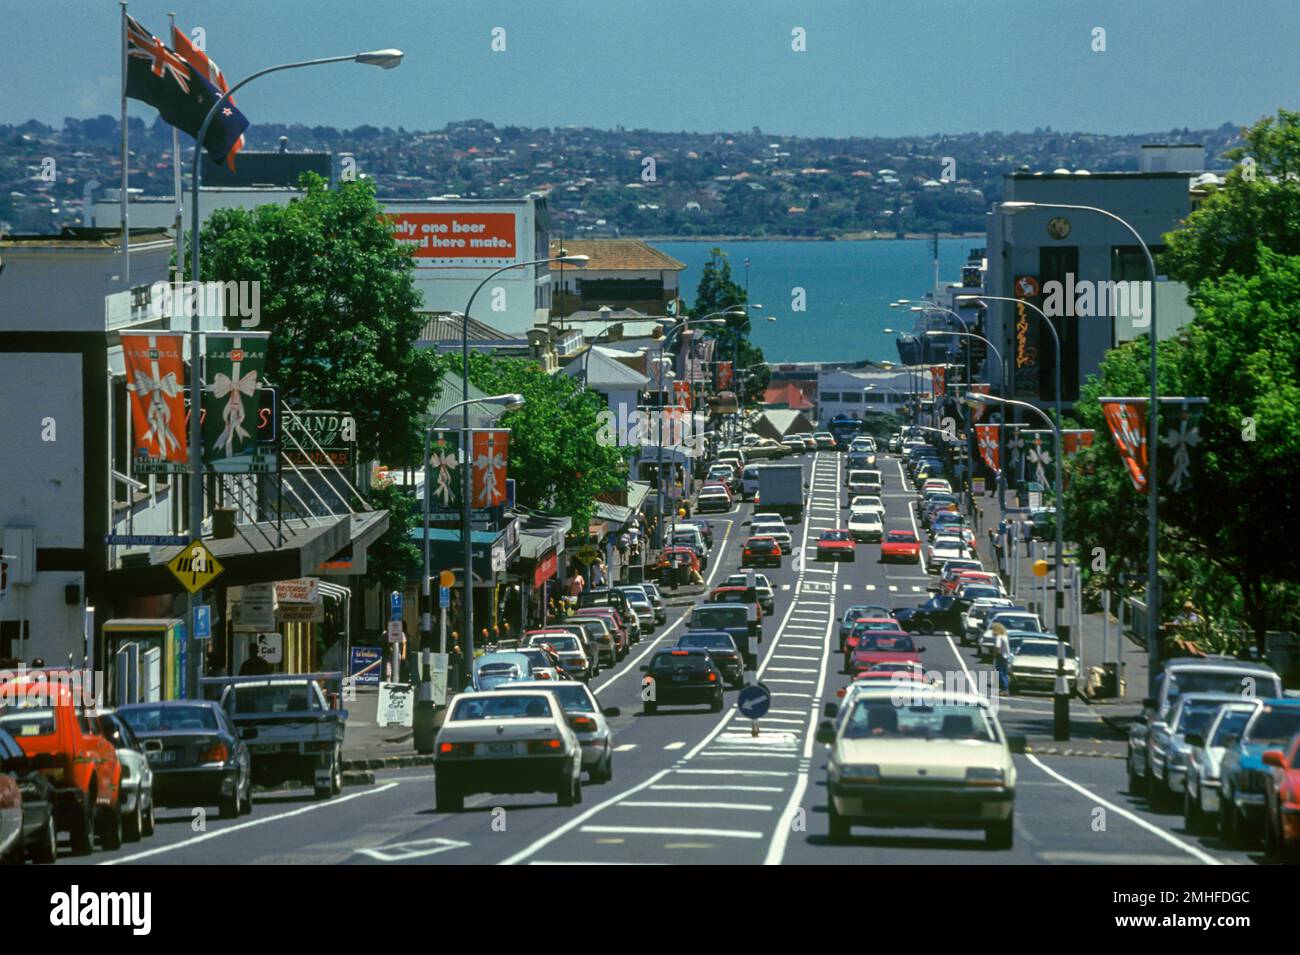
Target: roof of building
point(604, 370)
point(441, 327)
point(617, 255)
point(450, 394)
point(788, 394)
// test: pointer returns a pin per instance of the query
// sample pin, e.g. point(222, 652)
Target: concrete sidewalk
point(1091, 640)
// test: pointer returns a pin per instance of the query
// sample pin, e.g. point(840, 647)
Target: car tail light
point(452, 749)
point(583, 724)
point(544, 745)
point(542, 675)
point(217, 753)
point(681, 653)
point(713, 678)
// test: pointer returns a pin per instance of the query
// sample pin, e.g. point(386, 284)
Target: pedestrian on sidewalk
point(1027, 535)
point(1002, 651)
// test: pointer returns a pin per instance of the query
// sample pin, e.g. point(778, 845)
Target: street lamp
point(1061, 702)
point(1153, 435)
point(465, 504)
point(386, 59)
point(1056, 337)
point(509, 402)
point(973, 445)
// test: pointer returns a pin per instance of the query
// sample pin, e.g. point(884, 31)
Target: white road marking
point(417, 849)
point(1131, 817)
point(742, 806)
point(625, 747)
point(673, 831)
point(226, 830)
point(732, 772)
point(719, 788)
point(677, 745)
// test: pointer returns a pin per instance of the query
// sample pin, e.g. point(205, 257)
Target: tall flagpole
point(179, 227)
point(126, 221)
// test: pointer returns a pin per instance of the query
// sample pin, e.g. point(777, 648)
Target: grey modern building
point(1084, 252)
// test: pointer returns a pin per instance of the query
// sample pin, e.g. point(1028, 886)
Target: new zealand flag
point(182, 95)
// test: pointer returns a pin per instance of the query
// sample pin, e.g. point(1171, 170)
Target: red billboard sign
point(456, 238)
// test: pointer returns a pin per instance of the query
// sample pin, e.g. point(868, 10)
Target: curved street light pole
point(466, 505)
point(387, 59)
point(1153, 436)
point(1061, 697)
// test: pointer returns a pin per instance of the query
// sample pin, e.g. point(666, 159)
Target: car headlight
point(860, 774)
point(984, 776)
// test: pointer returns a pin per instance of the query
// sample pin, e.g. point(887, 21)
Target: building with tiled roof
point(620, 273)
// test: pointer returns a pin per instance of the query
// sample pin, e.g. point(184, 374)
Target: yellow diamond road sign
point(195, 567)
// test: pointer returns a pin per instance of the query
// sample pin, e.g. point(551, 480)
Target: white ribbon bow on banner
point(446, 463)
point(159, 414)
point(1040, 456)
point(488, 464)
point(233, 413)
point(1180, 439)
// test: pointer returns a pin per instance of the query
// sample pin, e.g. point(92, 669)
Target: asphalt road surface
point(694, 786)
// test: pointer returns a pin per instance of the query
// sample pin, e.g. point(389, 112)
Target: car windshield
point(1220, 681)
point(1021, 621)
point(761, 545)
point(151, 719)
point(853, 613)
point(881, 719)
point(710, 641)
point(513, 706)
point(901, 537)
point(1275, 725)
point(719, 618)
point(893, 644)
point(23, 721)
point(1233, 722)
point(835, 536)
point(679, 663)
point(974, 593)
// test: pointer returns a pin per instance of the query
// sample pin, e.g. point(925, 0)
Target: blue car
point(1244, 779)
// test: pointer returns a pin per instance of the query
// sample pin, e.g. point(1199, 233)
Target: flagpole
point(173, 514)
point(126, 221)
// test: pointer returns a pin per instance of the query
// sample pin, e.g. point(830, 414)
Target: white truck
point(780, 489)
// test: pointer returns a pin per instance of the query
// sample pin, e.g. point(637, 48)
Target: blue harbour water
point(847, 290)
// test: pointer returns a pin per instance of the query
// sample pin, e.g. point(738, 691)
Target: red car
point(970, 577)
point(883, 677)
point(901, 546)
point(863, 626)
point(761, 552)
point(835, 545)
point(1282, 803)
point(884, 646)
point(737, 595)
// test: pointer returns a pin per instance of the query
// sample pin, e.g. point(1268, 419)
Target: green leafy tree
point(717, 292)
point(338, 299)
point(1259, 205)
point(556, 458)
point(390, 560)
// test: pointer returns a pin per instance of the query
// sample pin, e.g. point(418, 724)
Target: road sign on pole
point(202, 622)
point(195, 567)
point(444, 597)
point(754, 701)
point(395, 605)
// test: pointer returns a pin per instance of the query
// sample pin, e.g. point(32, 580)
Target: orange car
point(64, 742)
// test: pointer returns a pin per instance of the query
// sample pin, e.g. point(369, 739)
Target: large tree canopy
point(717, 292)
point(338, 299)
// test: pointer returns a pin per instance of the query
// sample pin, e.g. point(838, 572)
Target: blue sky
point(871, 67)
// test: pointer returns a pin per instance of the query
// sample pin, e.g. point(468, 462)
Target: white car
point(506, 741)
point(972, 619)
point(866, 526)
point(918, 757)
point(567, 647)
point(767, 517)
point(136, 796)
point(713, 500)
point(1034, 664)
point(863, 482)
point(868, 502)
point(589, 722)
point(941, 550)
point(764, 529)
point(749, 482)
point(1204, 757)
point(1012, 619)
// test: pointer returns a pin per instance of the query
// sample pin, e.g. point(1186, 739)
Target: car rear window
point(711, 641)
point(574, 699)
point(24, 721)
point(886, 644)
point(881, 719)
point(719, 618)
point(513, 706)
point(683, 663)
point(762, 546)
point(152, 719)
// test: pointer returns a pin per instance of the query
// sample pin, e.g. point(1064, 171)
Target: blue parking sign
point(202, 622)
point(395, 605)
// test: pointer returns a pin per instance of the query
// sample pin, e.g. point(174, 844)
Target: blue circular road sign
point(754, 701)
